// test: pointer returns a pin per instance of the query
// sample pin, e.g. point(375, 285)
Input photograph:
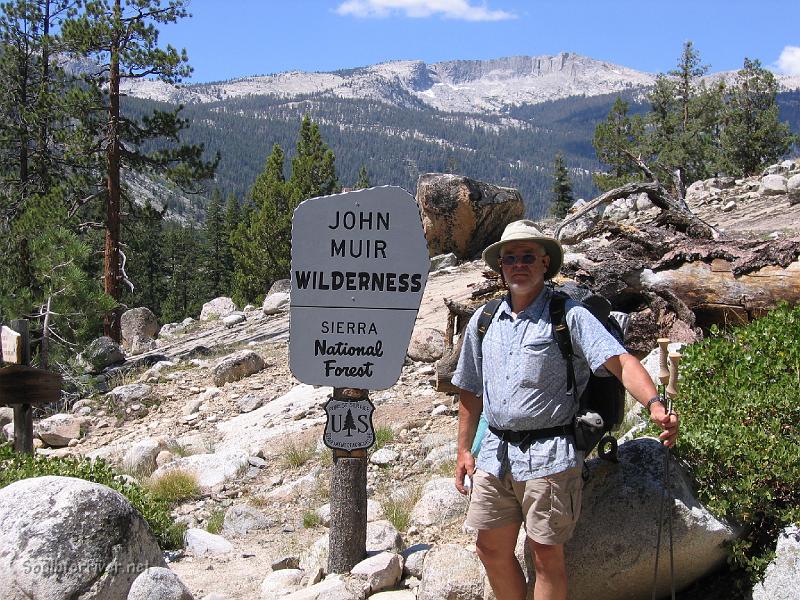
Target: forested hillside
point(396, 144)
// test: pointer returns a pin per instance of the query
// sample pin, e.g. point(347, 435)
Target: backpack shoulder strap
point(558, 319)
point(487, 312)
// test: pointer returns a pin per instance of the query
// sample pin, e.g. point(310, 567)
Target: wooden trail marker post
point(359, 268)
point(22, 386)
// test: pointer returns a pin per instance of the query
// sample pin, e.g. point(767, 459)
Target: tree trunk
point(111, 271)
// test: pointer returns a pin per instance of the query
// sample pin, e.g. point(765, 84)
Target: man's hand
point(669, 422)
point(465, 465)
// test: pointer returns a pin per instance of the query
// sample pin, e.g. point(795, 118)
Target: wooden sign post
point(359, 267)
point(22, 386)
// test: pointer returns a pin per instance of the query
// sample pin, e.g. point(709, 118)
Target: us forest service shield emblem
point(349, 424)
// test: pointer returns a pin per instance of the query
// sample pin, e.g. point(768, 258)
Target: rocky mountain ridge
point(470, 86)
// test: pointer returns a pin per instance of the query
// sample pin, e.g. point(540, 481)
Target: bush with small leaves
point(739, 402)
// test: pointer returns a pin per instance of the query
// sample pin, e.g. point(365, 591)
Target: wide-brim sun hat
point(525, 231)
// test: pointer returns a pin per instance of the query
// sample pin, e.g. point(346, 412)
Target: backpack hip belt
point(524, 439)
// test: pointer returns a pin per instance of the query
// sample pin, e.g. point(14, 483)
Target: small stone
point(384, 456)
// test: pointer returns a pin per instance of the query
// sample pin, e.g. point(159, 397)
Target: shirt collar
point(533, 311)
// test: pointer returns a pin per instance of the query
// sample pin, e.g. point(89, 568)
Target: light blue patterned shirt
point(522, 379)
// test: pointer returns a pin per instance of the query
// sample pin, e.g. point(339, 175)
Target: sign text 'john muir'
point(359, 267)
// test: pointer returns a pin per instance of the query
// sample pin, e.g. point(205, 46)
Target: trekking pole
point(667, 378)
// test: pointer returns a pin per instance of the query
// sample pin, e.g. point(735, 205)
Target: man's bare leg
point(551, 571)
point(496, 551)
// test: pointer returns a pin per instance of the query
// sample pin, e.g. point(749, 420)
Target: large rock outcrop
point(101, 353)
point(64, 538)
point(139, 327)
point(237, 366)
point(462, 215)
point(612, 552)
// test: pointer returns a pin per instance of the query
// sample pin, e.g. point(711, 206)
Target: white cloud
point(789, 60)
point(450, 9)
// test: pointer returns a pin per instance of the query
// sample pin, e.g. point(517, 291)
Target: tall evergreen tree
point(562, 189)
point(313, 168)
point(261, 244)
point(216, 245)
point(233, 215)
point(615, 140)
point(181, 258)
point(752, 135)
point(46, 268)
point(363, 179)
point(121, 36)
point(144, 255)
point(684, 121)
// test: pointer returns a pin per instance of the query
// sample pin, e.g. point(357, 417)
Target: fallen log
point(672, 285)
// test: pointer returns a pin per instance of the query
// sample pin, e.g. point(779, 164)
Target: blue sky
point(235, 38)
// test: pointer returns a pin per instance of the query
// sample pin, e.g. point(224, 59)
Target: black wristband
point(653, 400)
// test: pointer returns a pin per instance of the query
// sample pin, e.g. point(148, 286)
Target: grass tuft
point(174, 487)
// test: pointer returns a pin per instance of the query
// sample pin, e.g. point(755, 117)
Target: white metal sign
point(359, 268)
point(12, 345)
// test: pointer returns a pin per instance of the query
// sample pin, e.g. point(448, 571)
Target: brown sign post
point(359, 267)
point(22, 386)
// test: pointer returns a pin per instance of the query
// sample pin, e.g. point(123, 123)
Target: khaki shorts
point(549, 506)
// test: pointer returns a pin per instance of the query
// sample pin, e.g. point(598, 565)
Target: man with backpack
point(528, 469)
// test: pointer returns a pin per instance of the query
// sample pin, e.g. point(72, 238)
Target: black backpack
point(603, 396)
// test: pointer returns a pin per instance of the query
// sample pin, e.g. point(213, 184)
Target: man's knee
point(547, 557)
point(497, 545)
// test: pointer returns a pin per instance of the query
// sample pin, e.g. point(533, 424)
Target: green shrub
point(311, 519)
point(383, 435)
point(15, 466)
point(739, 401)
point(215, 521)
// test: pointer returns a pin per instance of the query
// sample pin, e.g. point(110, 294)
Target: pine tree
point(752, 134)
point(313, 170)
point(615, 140)
point(46, 266)
point(349, 423)
point(679, 135)
point(121, 36)
point(233, 215)
point(363, 179)
point(562, 189)
point(216, 247)
point(144, 254)
point(261, 244)
point(683, 123)
point(181, 261)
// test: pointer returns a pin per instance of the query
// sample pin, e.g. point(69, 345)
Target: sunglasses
point(525, 259)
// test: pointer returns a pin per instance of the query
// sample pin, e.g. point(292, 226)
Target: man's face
point(530, 263)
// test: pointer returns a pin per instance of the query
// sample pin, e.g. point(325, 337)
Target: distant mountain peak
point(471, 86)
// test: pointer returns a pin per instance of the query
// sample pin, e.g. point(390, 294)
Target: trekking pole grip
point(672, 387)
point(663, 369)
